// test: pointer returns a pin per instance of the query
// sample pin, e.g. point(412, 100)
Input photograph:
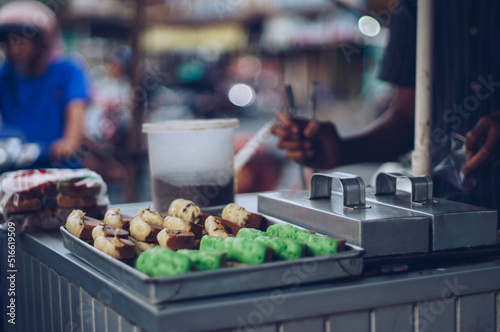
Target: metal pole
point(133, 161)
point(421, 156)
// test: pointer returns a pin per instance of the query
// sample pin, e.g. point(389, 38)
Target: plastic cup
point(191, 159)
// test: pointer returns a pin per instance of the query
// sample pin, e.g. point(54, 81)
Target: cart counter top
point(56, 291)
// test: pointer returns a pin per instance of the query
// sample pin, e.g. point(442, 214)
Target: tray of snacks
point(188, 253)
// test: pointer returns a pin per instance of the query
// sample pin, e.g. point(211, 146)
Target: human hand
point(63, 148)
point(308, 142)
point(482, 143)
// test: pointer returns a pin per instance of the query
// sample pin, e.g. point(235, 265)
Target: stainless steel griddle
point(386, 222)
point(453, 224)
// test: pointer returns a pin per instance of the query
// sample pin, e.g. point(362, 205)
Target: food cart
point(448, 290)
point(428, 265)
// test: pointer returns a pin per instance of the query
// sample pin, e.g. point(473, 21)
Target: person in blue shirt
point(43, 95)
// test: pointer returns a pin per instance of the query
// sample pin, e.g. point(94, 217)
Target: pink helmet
point(30, 19)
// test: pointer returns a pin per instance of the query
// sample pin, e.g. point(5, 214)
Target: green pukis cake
point(159, 261)
point(284, 248)
point(316, 245)
point(205, 260)
point(240, 249)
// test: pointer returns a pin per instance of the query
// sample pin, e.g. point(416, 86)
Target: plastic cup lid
point(189, 125)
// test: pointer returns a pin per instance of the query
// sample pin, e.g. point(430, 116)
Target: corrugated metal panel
point(312, 324)
point(76, 314)
point(99, 315)
point(28, 267)
point(353, 321)
point(87, 312)
point(476, 312)
point(497, 303)
point(126, 326)
point(37, 297)
point(396, 318)
point(22, 291)
point(56, 301)
point(112, 320)
point(436, 316)
point(45, 297)
point(265, 328)
point(65, 304)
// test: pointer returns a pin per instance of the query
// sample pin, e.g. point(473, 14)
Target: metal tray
point(229, 280)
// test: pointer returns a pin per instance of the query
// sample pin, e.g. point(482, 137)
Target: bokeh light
point(242, 95)
point(369, 26)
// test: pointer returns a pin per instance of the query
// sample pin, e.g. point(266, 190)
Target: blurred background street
point(155, 60)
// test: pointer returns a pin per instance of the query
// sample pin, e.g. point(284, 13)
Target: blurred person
point(43, 95)
point(466, 75)
point(108, 117)
point(262, 172)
